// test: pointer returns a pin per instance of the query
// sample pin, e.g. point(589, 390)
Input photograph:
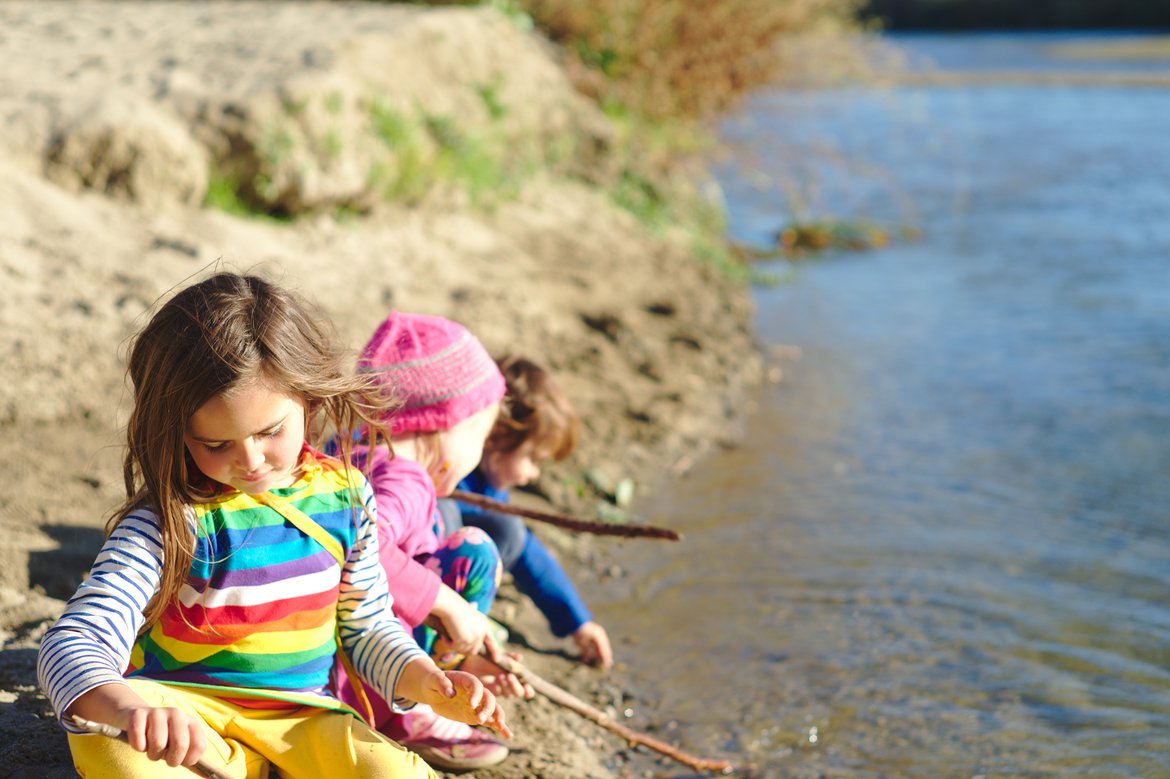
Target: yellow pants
point(303, 743)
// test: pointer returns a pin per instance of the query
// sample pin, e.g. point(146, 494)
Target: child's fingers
point(594, 644)
point(491, 647)
point(445, 686)
point(135, 731)
point(465, 686)
point(515, 687)
point(197, 742)
point(158, 733)
point(479, 698)
point(498, 723)
point(475, 693)
point(469, 646)
point(166, 734)
point(177, 745)
point(596, 654)
point(486, 708)
point(505, 684)
point(604, 651)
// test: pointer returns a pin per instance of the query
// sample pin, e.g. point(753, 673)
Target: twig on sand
point(566, 521)
point(102, 729)
point(633, 738)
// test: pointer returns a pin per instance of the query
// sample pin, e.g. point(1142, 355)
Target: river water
point(943, 548)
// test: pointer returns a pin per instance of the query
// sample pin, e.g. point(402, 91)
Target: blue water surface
point(943, 548)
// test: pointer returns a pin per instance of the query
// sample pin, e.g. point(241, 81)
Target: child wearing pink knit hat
point(450, 391)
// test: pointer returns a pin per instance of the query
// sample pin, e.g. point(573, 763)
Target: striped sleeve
point(379, 647)
point(89, 644)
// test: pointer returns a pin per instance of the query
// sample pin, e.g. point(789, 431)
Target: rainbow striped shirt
point(255, 621)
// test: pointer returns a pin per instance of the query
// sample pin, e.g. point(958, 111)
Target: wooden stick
point(102, 729)
point(566, 521)
point(633, 738)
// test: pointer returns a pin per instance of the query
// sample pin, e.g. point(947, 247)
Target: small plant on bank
point(435, 149)
point(412, 154)
point(801, 238)
point(807, 239)
point(224, 193)
point(405, 176)
point(490, 95)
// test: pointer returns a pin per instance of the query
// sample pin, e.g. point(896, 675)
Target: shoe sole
point(437, 758)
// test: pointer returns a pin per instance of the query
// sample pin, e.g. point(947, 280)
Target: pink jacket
point(408, 526)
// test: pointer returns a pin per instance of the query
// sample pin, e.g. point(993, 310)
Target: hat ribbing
point(439, 370)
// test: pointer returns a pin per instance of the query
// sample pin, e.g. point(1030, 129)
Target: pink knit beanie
point(440, 372)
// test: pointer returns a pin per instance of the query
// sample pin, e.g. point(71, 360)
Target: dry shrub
point(681, 58)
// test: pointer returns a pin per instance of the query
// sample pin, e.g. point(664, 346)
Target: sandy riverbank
point(110, 114)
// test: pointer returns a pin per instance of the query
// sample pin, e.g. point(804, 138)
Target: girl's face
point(462, 448)
point(249, 438)
point(505, 470)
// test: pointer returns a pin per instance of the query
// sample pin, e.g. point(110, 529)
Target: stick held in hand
point(566, 521)
point(633, 738)
point(102, 729)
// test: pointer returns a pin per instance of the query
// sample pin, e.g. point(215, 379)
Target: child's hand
point(166, 734)
point(462, 697)
point(500, 682)
point(464, 625)
point(163, 733)
point(593, 642)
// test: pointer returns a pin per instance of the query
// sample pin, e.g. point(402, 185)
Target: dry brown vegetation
point(681, 58)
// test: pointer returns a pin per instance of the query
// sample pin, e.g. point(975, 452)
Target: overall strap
point(304, 523)
point(309, 527)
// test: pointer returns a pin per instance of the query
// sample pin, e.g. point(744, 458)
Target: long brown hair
point(210, 337)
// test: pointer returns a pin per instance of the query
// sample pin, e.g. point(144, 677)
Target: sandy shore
point(111, 114)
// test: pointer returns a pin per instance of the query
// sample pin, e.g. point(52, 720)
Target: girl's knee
point(392, 759)
point(509, 533)
point(471, 540)
point(371, 754)
point(469, 552)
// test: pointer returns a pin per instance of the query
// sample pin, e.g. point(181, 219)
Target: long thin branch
point(569, 701)
point(102, 729)
point(566, 521)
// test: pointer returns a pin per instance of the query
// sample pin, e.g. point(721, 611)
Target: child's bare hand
point(499, 681)
point(163, 733)
point(467, 701)
point(166, 734)
point(466, 627)
point(593, 642)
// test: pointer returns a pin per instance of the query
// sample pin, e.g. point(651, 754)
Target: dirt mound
point(116, 117)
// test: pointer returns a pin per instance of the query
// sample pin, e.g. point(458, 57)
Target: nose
point(251, 456)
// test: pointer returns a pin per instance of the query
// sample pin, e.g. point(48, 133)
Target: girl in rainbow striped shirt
point(242, 563)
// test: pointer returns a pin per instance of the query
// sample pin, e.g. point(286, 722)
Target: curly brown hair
point(535, 411)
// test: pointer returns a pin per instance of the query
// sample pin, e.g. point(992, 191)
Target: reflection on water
point(942, 550)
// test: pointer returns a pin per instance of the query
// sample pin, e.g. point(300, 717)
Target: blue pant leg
point(507, 530)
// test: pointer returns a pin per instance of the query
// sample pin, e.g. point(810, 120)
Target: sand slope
point(110, 113)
